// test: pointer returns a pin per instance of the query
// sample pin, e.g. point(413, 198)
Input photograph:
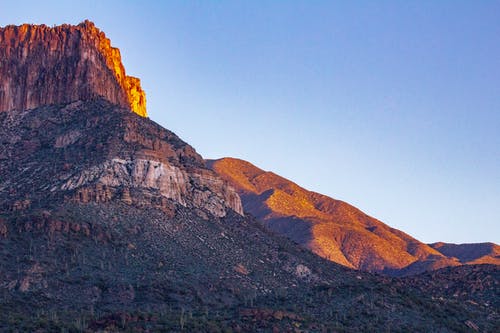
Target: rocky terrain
point(40, 65)
point(97, 152)
point(111, 223)
point(87, 267)
point(338, 231)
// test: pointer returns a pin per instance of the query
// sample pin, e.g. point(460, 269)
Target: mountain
point(86, 145)
point(334, 229)
point(111, 223)
point(42, 65)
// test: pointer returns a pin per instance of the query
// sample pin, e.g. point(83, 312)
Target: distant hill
point(476, 253)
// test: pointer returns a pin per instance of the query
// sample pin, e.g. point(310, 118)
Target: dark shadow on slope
point(292, 227)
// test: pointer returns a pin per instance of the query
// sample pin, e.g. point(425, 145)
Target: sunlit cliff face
point(40, 65)
point(136, 96)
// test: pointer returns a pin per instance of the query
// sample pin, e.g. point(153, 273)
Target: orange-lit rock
point(40, 65)
point(330, 228)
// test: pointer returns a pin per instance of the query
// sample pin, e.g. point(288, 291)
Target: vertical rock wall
point(40, 65)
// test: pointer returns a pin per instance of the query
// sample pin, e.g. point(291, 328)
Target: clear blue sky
point(392, 106)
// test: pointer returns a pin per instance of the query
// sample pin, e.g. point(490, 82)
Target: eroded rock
point(41, 65)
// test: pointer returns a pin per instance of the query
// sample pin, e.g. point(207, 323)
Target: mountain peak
point(42, 65)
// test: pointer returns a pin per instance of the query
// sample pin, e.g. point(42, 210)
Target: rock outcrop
point(95, 151)
point(40, 65)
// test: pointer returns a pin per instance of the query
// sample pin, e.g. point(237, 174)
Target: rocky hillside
point(87, 267)
point(95, 151)
point(40, 65)
point(110, 222)
point(332, 228)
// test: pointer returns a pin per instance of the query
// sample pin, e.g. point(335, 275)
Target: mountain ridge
point(323, 224)
point(470, 253)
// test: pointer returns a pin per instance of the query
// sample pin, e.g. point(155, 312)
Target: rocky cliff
point(40, 65)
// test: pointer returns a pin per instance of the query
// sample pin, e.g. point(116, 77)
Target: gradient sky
point(392, 106)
